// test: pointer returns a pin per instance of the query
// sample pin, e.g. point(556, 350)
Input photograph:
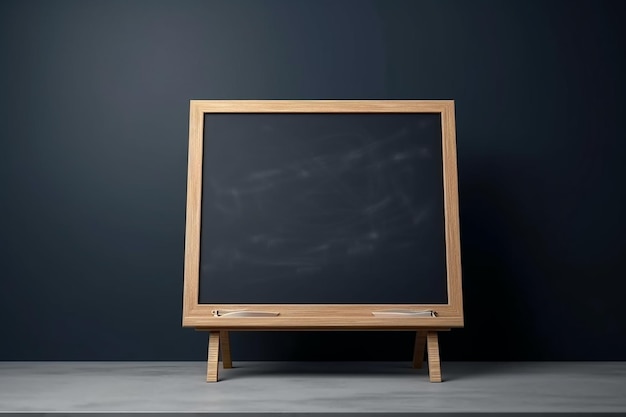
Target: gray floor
point(312, 387)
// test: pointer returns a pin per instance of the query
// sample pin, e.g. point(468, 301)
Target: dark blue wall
point(93, 144)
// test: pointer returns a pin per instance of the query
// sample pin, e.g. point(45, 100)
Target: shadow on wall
point(495, 231)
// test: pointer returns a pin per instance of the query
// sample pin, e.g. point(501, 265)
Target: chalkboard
point(327, 209)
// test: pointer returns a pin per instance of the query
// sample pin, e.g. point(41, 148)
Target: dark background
point(93, 145)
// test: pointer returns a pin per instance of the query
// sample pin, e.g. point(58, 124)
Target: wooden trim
point(194, 206)
point(313, 329)
point(451, 210)
point(320, 316)
point(321, 106)
point(322, 323)
point(213, 359)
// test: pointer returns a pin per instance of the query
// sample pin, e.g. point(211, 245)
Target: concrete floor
point(312, 387)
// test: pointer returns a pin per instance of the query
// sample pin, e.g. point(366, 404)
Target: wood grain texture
point(194, 206)
point(451, 210)
point(300, 329)
point(227, 361)
point(321, 106)
point(419, 349)
point(434, 363)
point(321, 316)
point(213, 360)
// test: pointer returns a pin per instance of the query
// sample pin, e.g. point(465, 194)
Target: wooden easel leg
point(434, 363)
point(227, 361)
point(420, 348)
point(214, 349)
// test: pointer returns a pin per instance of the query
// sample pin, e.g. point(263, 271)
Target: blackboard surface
point(322, 209)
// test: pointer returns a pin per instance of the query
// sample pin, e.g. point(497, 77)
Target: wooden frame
point(321, 316)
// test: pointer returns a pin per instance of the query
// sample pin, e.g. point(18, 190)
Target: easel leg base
point(434, 363)
point(213, 357)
